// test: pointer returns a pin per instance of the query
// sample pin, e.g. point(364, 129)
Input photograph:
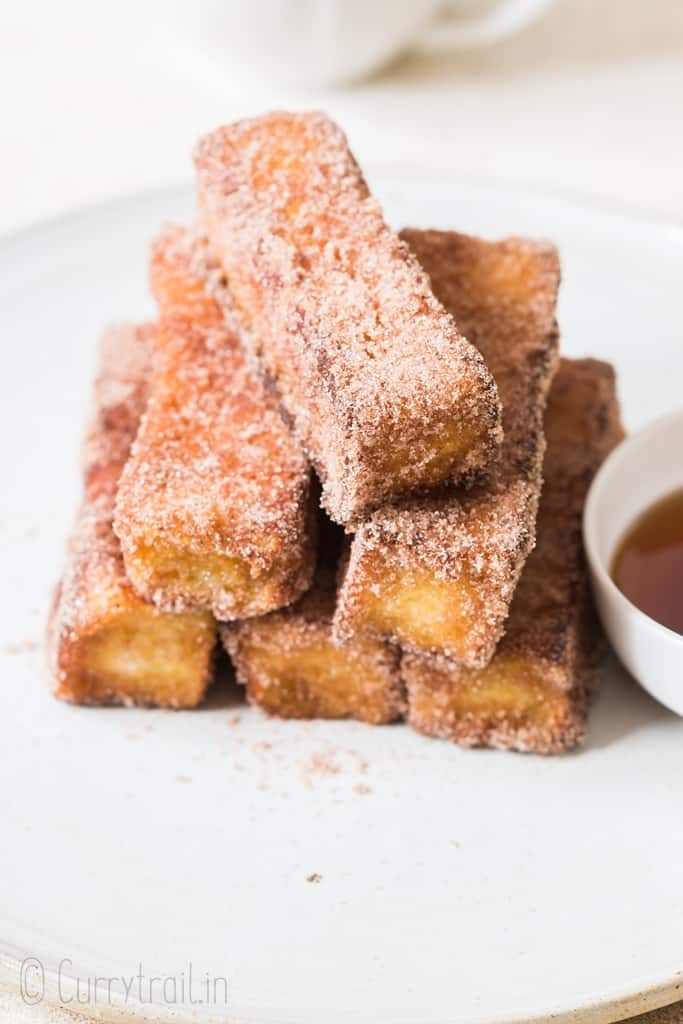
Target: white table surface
point(101, 99)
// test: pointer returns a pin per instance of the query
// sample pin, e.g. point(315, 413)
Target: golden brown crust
point(533, 695)
point(106, 644)
point(382, 389)
point(292, 669)
point(213, 507)
point(460, 554)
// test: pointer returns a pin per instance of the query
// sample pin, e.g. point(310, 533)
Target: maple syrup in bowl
point(633, 532)
point(648, 565)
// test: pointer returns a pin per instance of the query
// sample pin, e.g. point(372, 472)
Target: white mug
point(331, 41)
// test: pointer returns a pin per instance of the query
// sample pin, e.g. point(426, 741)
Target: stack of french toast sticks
point(355, 456)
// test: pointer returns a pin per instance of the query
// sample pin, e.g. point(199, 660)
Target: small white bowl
point(644, 468)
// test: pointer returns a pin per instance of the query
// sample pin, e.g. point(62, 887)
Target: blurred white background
point(104, 99)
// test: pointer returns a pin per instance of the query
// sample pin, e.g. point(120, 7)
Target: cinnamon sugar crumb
point(20, 648)
point(321, 764)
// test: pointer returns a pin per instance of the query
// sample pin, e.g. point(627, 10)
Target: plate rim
point(624, 213)
point(616, 1007)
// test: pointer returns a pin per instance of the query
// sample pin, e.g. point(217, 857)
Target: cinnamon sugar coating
point(292, 669)
point(382, 389)
point(437, 574)
point(213, 509)
point(533, 695)
point(107, 645)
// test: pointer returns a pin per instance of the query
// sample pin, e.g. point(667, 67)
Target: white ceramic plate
point(462, 886)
